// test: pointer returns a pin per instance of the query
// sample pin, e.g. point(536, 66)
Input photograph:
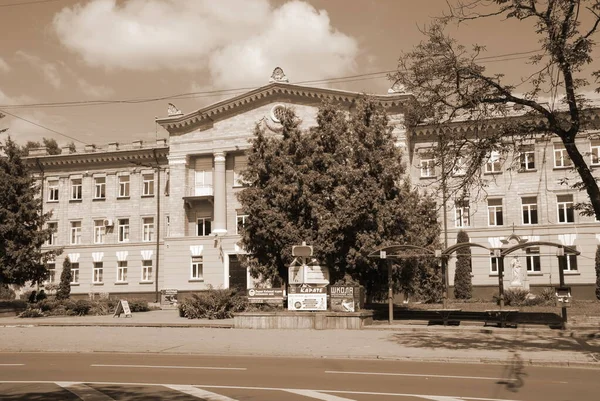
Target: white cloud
point(91, 90)
point(48, 69)
point(4, 67)
point(238, 41)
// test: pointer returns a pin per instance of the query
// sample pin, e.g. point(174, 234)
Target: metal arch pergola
point(392, 252)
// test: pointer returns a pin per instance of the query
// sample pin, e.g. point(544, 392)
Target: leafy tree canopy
point(340, 187)
point(451, 84)
point(49, 143)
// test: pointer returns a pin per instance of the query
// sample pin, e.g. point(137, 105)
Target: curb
point(151, 325)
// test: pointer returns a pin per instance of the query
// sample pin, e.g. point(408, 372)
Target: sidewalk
point(165, 332)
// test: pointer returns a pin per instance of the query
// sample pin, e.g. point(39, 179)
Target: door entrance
point(238, 277)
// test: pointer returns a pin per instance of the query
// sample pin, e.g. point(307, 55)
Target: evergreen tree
point(340, 187)
point(22, 231)
point(462, 276)
point(66, 276)
point(598, 272)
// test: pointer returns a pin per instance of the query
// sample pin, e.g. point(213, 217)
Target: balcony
point(197, 193)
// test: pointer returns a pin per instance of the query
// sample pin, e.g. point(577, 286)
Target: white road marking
point(442, 398)
point(318, 396)
point(84, 392)
point(416, 375)
point(198, 392)
point(12, 364)
point(165, 367)
point(265, 389)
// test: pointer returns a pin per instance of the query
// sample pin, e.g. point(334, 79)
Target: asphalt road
point(133, 377)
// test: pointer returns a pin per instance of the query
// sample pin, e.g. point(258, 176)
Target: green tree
point(340, 187)
point(462, 277)
point(450, 83)
point(22, 223)
point(66, 276)
point(49, 143)
point(597, 266)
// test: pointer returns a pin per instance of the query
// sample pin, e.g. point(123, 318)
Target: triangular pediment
point(275, 92)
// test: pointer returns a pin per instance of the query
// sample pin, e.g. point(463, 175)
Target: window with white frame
point(240, 162)
point(75, 232)
point(53, 227)
point(147, 229)
point(571, 263)
point(99, 232)
point(532, 256)
point(148, 183)
point(561, 158)
point(122, 271)
point(197, 270)
point(595, 152)
point(493, 164)
point(98, 272)
point(51, 266)
point(52, 190)
point(168, 224)
point(75, 273)
point(461, 213)
point(427, 168)
point(203, 226)
point(147, 270)
point(495, 215)
point(529, 209)
point(527, 160)
point(123, 186)
point(123, 230)
point(566, 212)
point(99, 187)
point(240, 223)
point(459, 167)
point(494, 264)
point(76, 189)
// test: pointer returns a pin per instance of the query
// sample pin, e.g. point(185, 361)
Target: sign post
point(123, 308)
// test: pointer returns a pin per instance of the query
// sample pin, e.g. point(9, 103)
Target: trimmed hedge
point(213, 304)
point(81, 307)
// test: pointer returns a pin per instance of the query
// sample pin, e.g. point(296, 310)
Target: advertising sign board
point(265, 296)
point(307, 297)
point(345, 298)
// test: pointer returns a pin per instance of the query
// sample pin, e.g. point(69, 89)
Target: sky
point(56, 51)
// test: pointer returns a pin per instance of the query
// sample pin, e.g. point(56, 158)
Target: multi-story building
point(525, 195)
point(141, 218)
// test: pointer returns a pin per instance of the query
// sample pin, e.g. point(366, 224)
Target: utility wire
point(44, 127)
point(28, 2)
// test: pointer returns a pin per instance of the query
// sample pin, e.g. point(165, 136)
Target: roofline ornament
point(173, 111)
point(278, 76)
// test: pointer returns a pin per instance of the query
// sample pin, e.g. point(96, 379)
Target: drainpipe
point(39, 166)
point(157, 295)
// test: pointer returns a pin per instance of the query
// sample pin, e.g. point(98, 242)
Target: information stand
point(122, 308)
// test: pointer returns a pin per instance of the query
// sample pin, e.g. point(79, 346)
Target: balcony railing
point(201, 190)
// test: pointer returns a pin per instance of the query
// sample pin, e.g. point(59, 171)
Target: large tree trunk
point(587, 178)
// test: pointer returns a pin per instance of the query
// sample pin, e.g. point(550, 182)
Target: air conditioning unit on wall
point(108, 223)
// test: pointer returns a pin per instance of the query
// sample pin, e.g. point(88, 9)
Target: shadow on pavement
point(515, 373)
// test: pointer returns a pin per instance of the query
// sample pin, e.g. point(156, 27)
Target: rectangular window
point(495, 216)
point(51, 272)
point(461, 214)
point(168, 224)
point(203, 227)
point(197, 268)
point(123, 186)
point(146, 270)
point(75, 232)
point(98, 272)
point(74, 273)
point(493, 165)
point(532, 256)
point(240, 162)
point(595, 152)
point(123, 230)
point(561, 158)
point(459, 167)
point(427, 168)
point(122, 271)
point(76, 189)
point(99, 187)
point(571, 263)
point(241, 222)
point(52, 190)
point(148, 189)
point(147, 229)
point(529, 208)
point(53, 227)
point(527, 159)
point(99, 231)
point(203, 183)
point(566, 213)
point(494, 265)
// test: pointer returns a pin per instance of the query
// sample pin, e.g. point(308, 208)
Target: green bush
point(548, 294)
point(213, 304)
point(514, 297)
point(31, 312)
point(82, 307)
point(6, 293)
point(138, 305)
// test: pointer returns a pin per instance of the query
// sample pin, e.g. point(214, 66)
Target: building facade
point(141, 218)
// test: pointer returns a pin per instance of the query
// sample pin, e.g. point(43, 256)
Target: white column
point(220, 195)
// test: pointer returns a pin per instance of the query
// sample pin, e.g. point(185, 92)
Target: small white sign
point(307, 301)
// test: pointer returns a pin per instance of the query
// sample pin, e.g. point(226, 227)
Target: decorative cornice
point(271, 92)
point(131, 155)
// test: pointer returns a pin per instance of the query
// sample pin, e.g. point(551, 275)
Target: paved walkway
point(165, 332)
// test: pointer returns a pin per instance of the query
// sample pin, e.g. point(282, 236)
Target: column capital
point(219, 156)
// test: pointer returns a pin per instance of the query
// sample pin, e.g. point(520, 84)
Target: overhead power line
point(25, 3)
point(42, 126)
